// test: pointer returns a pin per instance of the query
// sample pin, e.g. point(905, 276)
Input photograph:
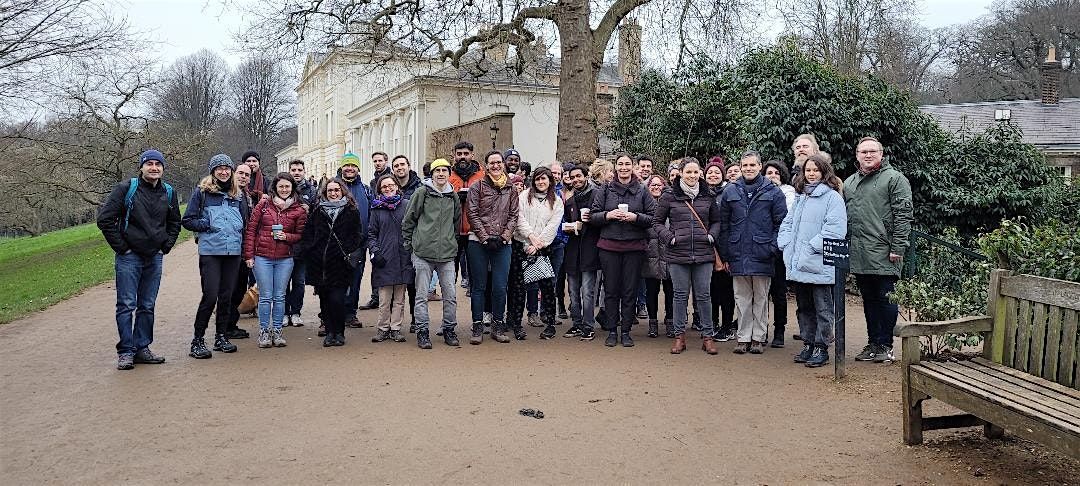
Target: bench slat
point(1011, 316)
point(1040, 382)
point(1038, 340)
point(1053, 344)
point(1037, 388)
point(1041, 289)
point(1023, 336)
point(982, 384)
point(1071, 336)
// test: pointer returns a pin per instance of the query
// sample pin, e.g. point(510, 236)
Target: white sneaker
point(534, 320)
point(296, 321)
point(277, 338)
point(487, 318)
point(264, 339)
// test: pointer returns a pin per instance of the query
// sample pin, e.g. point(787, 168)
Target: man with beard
point(582, 256)
point(802, 148)
point(465, 172)
point(350, 174)
point(258, 185)
point(404, 176)
point(513, 162)
point(378, 159)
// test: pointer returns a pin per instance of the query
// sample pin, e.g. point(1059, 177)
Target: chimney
point(1050, 79)
point(630, 51)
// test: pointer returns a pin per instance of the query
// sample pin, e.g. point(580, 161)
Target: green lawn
point(39, 271)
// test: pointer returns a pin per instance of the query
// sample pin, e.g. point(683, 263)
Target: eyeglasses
point(868, 152)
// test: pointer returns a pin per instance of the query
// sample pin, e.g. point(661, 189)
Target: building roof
point(1050, 127)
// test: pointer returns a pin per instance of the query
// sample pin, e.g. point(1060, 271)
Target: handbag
point(536, 268)
point(353, 259)
point(718, 264)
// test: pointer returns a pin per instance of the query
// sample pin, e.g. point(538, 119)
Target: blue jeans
point(294, 296)
point(272, 275)
point(352, 296)
point(137, 282)
point(684, 278)
point(480, 259)
point(582, 287)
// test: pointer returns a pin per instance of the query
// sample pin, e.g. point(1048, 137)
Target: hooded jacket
point(880, 214)
point(435, 217)
point(748, 226)
point(218, 218)
point(153, 225)
point(813, 218)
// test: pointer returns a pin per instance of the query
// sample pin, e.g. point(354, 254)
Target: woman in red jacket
point(275, 226)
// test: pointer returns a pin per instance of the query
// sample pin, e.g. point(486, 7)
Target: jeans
point(480, 260)
point(622, 271)
point(218, 274)
point(582, 299)
point(778, 291)
point(698, 277)
point(752, 297)
point(333, 309)
point(273, 276)
point(434, 283)
point(880, 313)
point(137, 281)
point(391, 307)
point(652, 297)
point(815, 313)
point(424, 269)
point(641, 291)
point(294, 296)
point(352, 295)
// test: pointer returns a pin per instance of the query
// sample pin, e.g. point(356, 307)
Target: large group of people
point(595, 242)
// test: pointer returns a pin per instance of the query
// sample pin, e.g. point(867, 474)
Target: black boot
point(778, 337)
point(199, 350)
point(477, 333)
point(221, 343)
point(422, 340)
point(450, 338)
point(669, 329)
point(654, 328)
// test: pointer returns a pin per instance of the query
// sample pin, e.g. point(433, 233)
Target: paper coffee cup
point(624, 207)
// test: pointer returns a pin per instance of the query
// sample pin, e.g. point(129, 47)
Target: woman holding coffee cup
point(275, 226)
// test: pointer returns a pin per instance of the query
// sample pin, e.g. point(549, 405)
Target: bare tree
point(194, 91)
point(843, 33)
point(262, 99)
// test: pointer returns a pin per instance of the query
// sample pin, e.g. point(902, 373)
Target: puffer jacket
point(259, 236)
point(538, 219)
point(385, 245)
point(654, 265)
point(218, 219)
point(581, 254)
point(748, 226)
point(879, 219)
point(462, 187)
point(492, 211)
point(813, 218)
point(674, 220)
point(435, 217)
point(636, 197)
point(325, 259)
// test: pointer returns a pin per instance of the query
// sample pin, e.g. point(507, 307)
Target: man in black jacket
point(141, 227)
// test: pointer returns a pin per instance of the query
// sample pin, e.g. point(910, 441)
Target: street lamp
point(494, 134)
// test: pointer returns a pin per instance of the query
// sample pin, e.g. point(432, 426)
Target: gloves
point(378, 260)
point(493, 243)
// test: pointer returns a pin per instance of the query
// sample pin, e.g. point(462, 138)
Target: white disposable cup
point(624, 207)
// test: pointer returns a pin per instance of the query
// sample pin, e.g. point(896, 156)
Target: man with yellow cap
point(429, 232)
point(350, 174)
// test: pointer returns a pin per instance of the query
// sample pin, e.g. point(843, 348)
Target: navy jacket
point(750, 218)
point(387, 247)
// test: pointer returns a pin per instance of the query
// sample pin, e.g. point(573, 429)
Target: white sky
point(182, 27)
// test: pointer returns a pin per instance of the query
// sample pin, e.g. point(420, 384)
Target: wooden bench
point(1027, 381)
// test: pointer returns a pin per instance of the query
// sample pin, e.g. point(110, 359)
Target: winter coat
point(654, 265)
point(813, 218)
point(880, 214)
point(259, 235)
point(609, 196)
point(435, 217)
point(374, 180)
point(309, 194)
point(153, 225)
point(391, 264)
point(748, 226)
point(218, 219)
point(538, 219)
point(462, 188)
point(326, 265)
point(410, 187)
point(581, 253)
point(492, 211)
point(674, 220)
point(789, 195)
point(363, 203)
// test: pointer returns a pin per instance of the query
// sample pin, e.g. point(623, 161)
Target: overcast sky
point(185, 26)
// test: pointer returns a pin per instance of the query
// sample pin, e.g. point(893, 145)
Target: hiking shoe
point(296, 321)
point(380, 336)
point(818, 359)
point(477, 336)
point(725, 335)
point(519, 333)
point(145, 356)
point(534, 320)
point(125, 361)
point(741, 348)
point(884, 354)
point(264, 339)
point(627, 341)
point(422, 339)
point(277, 338)
point(778, 339)
point(642, 312)
point(221, 343)
point(498, 333)
point(757, 347)
point(574, 331)
point(548, 333)
point(612, 339)
point(804, 355)
point(867, 353)
point(354, 323)
point(199, 350)
point(587, 335)
point(450, 338)
point(397, 337)
point(328, 341)
point(237, 333)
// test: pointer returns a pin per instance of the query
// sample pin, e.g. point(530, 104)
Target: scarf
point(809, 189)
point(283, 204)
point(333, 208)
point(690, 191)
point(386, 202)
point(871, 169)
point(466, 170)
point(223, 186)
point(500, 182)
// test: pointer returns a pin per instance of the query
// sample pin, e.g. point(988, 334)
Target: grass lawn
point(39, 271)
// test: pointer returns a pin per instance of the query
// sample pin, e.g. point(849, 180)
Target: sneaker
point(422, 339)
point(884, 354)
point(339, 340)
point(449, 337)
point(199, 350)
point(329, 341)
point(433, 296)
point(264, 339)
point(534, 320)
point(465, 283)
point(354, 323)
point(296, 321)
point(574, 331)
point(487, 318)
point(818, 359)
point(804, 355)
point(277, 338)
point(548, 333)
point(757, 347)
point(397, 337)
point(371, 304)
point(145, 356)
point(288, 321)
point(725, 335)
point(519, 334)
point(380, 336)
point(867, 353)
point(654, 328)
point(125, 361)
point(642, 312)
point(562, 313)
point(221, 343)
point(627, 341)
point(741, 348)
point(612, 339)
point(477, 336)
point(322, 330)
point(237, 333)
point(587, 335)
point(412, 328)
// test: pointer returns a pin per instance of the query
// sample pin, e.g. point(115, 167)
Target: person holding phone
point(275, 226)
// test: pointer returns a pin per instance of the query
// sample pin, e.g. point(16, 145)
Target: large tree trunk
point(577, 83)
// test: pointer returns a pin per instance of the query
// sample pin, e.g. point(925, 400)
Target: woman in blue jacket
point(392, 269)
point(818, 213)
point(216, 213)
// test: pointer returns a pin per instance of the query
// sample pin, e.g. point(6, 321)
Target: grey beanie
point(218, 161)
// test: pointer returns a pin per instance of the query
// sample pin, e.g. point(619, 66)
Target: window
point(1064, 171)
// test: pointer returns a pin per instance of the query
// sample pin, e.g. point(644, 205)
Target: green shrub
point(1051, 249)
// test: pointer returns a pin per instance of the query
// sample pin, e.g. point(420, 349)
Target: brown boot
point(679, 345)
point(707, 345)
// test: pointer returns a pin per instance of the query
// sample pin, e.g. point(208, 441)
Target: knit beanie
point(717, 162)
point(349, 159)
point(250, 153)
point(151, 154)
point(440, 163)
point(218, 161)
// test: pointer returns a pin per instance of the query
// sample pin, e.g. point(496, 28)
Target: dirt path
point(390, 413)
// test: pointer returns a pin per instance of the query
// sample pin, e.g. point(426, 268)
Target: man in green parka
point(879, 223)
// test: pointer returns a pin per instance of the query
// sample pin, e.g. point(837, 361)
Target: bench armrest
point(963, 324)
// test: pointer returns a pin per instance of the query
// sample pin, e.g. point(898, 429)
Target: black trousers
point(622, 273)
point(332, 307)
point(218, 275)
point(239, 289)
point(652, 297)
point(722, 293)
point(517, 294)
point(778, 291)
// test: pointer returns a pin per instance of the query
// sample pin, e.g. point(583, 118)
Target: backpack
point(129, 199)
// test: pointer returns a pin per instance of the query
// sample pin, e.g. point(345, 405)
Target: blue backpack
point(129, 199)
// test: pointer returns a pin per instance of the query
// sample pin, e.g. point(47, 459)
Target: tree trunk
point(577, 83)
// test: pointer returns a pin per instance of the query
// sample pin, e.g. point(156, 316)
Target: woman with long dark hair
point(540, 211)
point(330, 235)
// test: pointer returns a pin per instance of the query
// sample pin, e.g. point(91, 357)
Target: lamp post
point(494, 134)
